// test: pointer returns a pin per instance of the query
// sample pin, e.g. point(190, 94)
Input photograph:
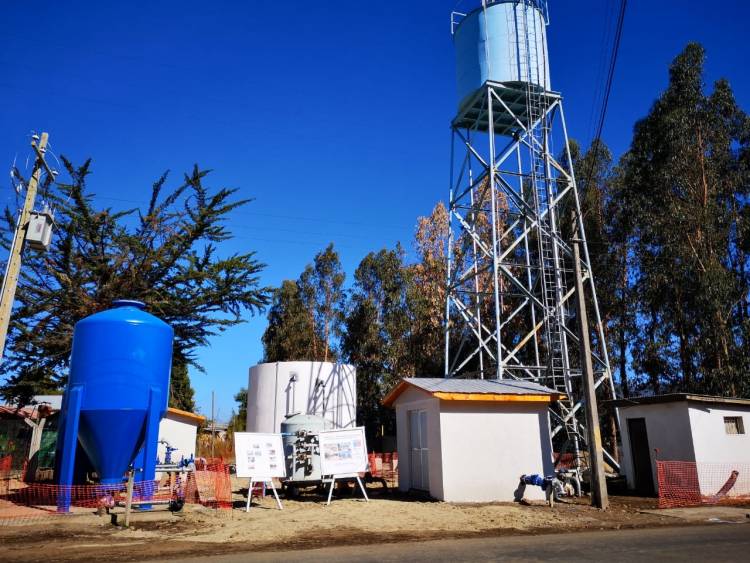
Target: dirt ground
point(306, 523)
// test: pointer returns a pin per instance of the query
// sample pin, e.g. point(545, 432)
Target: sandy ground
point(306, 523)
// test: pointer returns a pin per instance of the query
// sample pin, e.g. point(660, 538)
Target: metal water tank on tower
point(516, 216)
point(491, 45)
point(117, 393)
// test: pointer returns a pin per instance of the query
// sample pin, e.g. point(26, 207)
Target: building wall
point(717, 452)
point(180, 434)
point(489, 445)
point(712, 443)
point(668, 429)
point(272, 395)
point(415, 399)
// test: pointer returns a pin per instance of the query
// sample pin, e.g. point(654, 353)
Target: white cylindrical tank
point(491, 44)
point(278, 390)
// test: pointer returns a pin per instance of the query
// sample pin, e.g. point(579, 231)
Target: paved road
point(716, 542)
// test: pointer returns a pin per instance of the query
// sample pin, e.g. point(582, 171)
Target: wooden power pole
point(599, 496)
point(13, 269)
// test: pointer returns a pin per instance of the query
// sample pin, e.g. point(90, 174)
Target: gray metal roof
point(676, 397)
point(491, 386)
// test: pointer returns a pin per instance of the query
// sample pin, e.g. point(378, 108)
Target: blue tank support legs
point(67, 443)
point(150, 445)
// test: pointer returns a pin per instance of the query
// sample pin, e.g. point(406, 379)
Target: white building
point(683, 427)
point(469, 440)
point(180, 430)
point(281, 389)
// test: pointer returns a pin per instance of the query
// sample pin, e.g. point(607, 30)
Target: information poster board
point(343, 451)
point(259, 456)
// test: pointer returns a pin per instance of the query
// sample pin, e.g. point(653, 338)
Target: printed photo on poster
point(260, 456)
point(343, 451)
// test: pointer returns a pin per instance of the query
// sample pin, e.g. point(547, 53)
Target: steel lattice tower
point(514, 213)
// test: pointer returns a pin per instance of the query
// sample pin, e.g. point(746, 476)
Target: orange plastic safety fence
point(687, 483)
point(385, 466)
point(20, 501)
point(210, 486)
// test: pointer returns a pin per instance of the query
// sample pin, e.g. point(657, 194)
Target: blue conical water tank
point(118, 389)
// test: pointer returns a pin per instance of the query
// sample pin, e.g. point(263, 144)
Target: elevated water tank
point(491, 44)
point(117, 391)
point(278, 390)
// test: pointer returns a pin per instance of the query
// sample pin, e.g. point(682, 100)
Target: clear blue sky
point(332, 115)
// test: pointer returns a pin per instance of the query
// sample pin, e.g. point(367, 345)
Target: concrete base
point(138, 517)
point(705, 514)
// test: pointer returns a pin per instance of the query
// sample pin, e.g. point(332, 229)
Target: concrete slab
point(705, 514)
point(118, 516)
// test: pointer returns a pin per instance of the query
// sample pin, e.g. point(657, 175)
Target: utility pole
point(599, 496)
point(13, 269)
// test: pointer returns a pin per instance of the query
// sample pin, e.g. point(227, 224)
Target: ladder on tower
point(551, 278)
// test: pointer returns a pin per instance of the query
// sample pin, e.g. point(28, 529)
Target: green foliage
point(238, 420)
point(321, 291)
point(181, 393)
point(306, 316)
point(687, 188)
point(290, 334)
point(377, 334)
point(164, 256)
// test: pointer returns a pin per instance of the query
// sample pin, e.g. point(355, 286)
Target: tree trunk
point(622, 337)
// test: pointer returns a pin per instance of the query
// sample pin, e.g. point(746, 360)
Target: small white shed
point(682, 427)
point(180, 430)
point(469, 440)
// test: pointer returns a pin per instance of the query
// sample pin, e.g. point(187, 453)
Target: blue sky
point(332, 115)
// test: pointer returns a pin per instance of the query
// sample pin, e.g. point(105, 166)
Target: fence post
point(129, 496)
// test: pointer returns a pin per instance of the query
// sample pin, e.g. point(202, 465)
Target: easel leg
point(330, 491)
point(278, 502)
point(361, 486)
point(249, 495)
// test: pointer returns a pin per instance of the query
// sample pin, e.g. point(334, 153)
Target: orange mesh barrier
point(210, 486)
point(686, 483)
point(385, 466)
point(20, 501)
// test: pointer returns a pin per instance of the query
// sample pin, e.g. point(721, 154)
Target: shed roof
point(452, 389)
point(196, 419)
point(677, 397)
point(31, 412)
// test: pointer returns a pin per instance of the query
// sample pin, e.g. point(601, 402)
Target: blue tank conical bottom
point(111, 439)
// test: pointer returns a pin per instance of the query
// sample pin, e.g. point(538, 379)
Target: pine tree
point(165, 256)
point(181, 393)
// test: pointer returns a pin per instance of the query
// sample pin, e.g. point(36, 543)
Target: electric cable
point(607, 90)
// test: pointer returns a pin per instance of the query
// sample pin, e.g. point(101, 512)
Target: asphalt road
point(716, 542)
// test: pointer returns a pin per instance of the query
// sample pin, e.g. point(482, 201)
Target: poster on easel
point(343, 452)
point(259, 456)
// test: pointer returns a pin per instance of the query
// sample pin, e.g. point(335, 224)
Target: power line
point(607, 31)
point(607, 90)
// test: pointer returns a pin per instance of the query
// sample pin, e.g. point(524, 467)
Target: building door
point(418, 451)
point(640, 453)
